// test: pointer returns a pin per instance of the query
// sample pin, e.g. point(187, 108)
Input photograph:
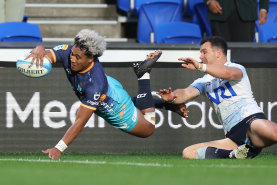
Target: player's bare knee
point(189, 153)
point(274, 135)
point(185, 154)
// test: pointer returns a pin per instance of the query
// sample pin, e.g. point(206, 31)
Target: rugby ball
point(25, 67)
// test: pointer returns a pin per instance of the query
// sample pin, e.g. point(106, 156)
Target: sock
point(215, 153)
point(159, 103)
point(146, 76)
point(144, 98)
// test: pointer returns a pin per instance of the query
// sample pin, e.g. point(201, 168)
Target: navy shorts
point(238, 134)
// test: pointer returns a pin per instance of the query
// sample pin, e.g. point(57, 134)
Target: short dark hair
point(216, 41)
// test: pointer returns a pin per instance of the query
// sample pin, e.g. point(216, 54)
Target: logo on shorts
point(134, 117)
point(124, 126)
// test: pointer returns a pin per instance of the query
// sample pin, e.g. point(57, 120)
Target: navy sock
point(214, 153)
point(144, 98)
point(159, 103)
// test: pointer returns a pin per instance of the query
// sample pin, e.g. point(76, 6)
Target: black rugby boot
point(141, 68)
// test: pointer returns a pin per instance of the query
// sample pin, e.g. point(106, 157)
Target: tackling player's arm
point(82, 117)
point(217, 70)
point(178, 96)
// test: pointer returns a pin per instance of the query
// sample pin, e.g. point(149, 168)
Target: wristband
point(61, 146)
point(172, 101)
point(202, 67)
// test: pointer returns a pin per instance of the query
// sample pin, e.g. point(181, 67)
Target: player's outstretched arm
point(82, 117)
point(179, 95)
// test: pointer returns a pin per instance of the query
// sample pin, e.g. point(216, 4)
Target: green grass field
point(134, 169)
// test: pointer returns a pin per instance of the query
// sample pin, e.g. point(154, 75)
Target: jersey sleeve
point(238, 66)
point(199, 83)
point(60, 53)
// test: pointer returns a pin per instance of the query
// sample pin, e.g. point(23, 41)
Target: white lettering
point(160, 123)
point(270, 107)
point(171, 124)
point(13, 106)
point(47, 114)
point(33, 106)
point(203, 116)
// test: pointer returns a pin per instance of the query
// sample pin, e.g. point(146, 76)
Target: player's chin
point(75, 68)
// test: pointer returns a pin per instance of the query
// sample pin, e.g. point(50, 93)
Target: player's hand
point(53, 153)
point(167, 94)
point(262, 17)
point(214, 7)
point(190, 63)
point(38, 54)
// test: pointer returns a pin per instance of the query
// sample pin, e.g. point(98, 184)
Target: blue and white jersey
point(99, 92)
point(232, 99)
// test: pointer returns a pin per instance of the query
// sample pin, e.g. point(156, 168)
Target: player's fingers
point(37, 62)
point(41, 62)
point(45, 151)
point(185, 65)
point(28, 56)
point(33, 60)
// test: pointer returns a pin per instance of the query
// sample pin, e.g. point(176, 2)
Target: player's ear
point(219, 53)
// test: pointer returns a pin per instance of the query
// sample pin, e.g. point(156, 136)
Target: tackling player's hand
point(167, 94)
point(53, 153)
point(190, 63)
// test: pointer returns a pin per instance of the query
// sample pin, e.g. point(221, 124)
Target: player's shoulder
point(236, 65)
point(233, 64)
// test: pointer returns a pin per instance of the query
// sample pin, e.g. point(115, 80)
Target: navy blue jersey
point(99, 92)
point(90, 85)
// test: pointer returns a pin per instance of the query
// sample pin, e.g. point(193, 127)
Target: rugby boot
point(239, 153)
point(141, 68)
point(180, 109)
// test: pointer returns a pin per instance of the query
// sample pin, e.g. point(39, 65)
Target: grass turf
point(135, 169)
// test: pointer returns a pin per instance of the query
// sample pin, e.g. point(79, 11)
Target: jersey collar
point(87, 69)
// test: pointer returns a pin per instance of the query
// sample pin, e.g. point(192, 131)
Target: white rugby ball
point(25, 67)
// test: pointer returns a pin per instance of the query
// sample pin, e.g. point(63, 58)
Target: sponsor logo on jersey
point(59, 47)
point(92, 102)
point(134, 117)
point(96, 96)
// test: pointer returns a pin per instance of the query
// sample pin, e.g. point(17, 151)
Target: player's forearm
point(184, 95)
point(73, 132)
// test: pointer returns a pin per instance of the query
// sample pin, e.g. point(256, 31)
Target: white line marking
point(89, 162)
point(246, 166)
